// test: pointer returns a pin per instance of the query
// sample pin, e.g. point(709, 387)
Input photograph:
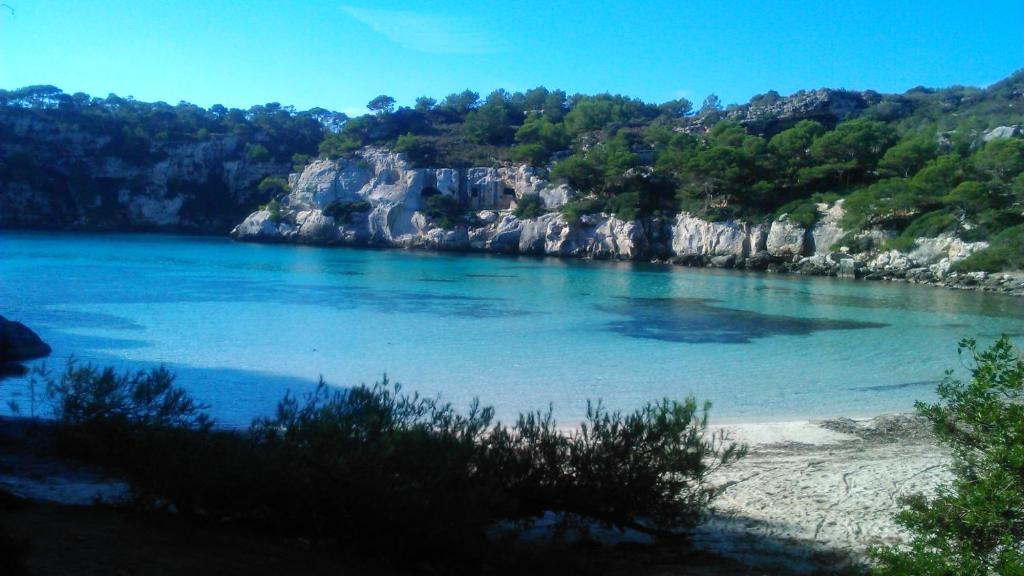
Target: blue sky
point(340, 54)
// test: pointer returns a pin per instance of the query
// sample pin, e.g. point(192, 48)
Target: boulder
point(696, 237)
point(316, 228)
point(826, 230)
point(257, 226)
point(786, 239)
point(555, 198)
point(1001, 133)
point(18, 342)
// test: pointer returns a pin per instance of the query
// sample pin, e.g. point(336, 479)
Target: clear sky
point(339, 54)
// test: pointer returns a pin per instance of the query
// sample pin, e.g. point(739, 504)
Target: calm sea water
point(243, 323)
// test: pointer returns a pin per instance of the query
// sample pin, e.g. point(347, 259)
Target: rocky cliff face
point(388, 201)
point(55, 175)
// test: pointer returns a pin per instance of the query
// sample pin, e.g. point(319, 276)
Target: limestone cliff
point(377, 199)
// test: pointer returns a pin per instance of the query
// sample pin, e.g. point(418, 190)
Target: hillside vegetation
point(919, 163)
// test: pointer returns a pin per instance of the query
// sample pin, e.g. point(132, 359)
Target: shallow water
point(242, 323)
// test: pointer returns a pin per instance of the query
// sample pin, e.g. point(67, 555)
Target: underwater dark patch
point(900, 386)
point(699, 321)
point(491, 276)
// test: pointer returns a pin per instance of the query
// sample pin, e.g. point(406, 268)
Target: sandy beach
point(813, 495)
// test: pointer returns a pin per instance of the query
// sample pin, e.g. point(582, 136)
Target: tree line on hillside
point(138, 130)
point(916, 164)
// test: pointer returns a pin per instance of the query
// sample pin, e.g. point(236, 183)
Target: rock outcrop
point(386, 202)
point(770, 113)
point(17, 344)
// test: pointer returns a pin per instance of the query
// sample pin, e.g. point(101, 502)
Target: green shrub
point(529, 206)
point(342, 211)
point(299, 162)
point(647, 470)
point(85, 395)
point(800, 212)
point(626, 205)
point(532, 154)
point(855, 242)
point(274, 207)
point(257, 152)
point(273, 187)
point(573, 209)
point(928, 225)
point(1005, 252)
point(420, 151)
point(381, 471)
point(339, 145)
point(445, 210)
point(974, 524)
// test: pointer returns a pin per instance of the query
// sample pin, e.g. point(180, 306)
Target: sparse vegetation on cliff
point(924, 162)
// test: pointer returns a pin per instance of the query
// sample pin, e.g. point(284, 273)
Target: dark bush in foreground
point(975, 524)
point(379, 470)
point(13, 555)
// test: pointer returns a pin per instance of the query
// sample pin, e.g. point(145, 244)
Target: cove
point(243, 323)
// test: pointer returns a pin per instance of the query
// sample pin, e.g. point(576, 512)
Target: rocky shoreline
point(377, 200)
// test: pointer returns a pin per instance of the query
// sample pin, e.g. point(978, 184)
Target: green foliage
point(592, 113)
point(1000, 160)
point(905, 157)
point(1005, 252)
point(794, 145)
point(385, 472)
point(492, 122)
point(889, 202)
point(445, 210)
point(580, 172)
point(927, 225)
point(420, 151)
point(909, 155)
point(273, 187)
point(940, 175)
point(800, 212)
point(257, 152)
point(299, 161)
point(974, 524)
point(342, 211)
point(538, 137)
point(274, 207)
point(847, 152)
point(96, 408)
point(532, 154)
point(573, 209)
point(627, 206)
point(339, 145)
point(382, 104)
point(529, 206)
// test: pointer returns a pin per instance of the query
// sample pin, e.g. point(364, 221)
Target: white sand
point(807, 496)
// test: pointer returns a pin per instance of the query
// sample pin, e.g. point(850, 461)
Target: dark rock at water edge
point(18, 342)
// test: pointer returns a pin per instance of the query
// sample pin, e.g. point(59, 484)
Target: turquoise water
point(242, 323)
